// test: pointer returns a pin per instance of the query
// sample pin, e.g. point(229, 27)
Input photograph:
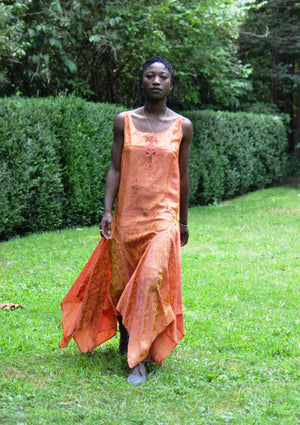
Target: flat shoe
point(137, 380)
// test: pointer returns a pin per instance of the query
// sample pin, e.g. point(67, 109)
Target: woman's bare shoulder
point(187, 124)
point(187, 128)
point(119, 122)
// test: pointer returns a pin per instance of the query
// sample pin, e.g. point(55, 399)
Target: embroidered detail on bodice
point(151, 142)
point(166, 140)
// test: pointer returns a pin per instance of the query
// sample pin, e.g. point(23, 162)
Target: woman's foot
point(138, 374)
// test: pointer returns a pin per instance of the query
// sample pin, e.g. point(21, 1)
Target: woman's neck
point(155, 108)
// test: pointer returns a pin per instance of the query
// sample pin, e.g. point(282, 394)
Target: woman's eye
point(151, 76)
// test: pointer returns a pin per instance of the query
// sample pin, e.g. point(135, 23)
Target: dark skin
point(154, 115)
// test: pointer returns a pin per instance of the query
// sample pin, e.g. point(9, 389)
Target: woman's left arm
point(184, 154)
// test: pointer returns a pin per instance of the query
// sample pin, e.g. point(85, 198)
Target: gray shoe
point(137, 380)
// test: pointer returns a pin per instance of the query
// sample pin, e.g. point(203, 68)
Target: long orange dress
point(137, 274)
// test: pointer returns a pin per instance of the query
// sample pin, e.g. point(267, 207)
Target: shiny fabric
point(137, 274)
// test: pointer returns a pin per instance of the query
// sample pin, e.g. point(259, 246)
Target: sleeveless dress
point(137, 274)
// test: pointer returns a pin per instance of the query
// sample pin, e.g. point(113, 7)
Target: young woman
point(134, 275)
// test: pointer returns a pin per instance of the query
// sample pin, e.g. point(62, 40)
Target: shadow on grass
point(103, 360)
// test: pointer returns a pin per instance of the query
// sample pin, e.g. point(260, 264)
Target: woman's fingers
point(105, 233)
point(184, 236)
point(105, 228)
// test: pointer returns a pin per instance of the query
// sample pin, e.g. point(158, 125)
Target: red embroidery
point(151, 148)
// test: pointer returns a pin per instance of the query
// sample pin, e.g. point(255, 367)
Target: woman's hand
point(184, 235)
point(105, 226)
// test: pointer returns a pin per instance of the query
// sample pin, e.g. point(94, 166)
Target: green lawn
point(238, 363)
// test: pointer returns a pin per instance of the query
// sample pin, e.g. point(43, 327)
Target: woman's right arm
point(113, 176)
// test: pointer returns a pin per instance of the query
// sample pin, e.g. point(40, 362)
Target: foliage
point(95, 49)
point(11, 47)
point(196, 37)
point(54, 156)
point(270, 42)
point(85, 130)
point(30, 172)
point(238, 363)
point(233, 153)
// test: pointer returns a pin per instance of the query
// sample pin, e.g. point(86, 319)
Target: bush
point(233, 153)
point(30, 177)
point(85, 132)
point(55, 154)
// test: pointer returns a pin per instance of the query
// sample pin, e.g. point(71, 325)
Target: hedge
point(55, 153)
point(233, 153)
point(54, 156)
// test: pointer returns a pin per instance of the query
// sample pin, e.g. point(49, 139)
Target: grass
point(238, 363)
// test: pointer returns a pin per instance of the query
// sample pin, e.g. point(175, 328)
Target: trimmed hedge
point(55, 154)
point(85, 133)
point(54, 157)
point(233, 153)
point(31, 196)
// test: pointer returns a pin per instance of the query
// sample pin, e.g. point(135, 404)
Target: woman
point(134, 274)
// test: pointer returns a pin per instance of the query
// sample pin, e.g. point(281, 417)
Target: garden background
point(66, 69)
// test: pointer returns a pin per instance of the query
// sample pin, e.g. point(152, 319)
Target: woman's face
point(156, 81)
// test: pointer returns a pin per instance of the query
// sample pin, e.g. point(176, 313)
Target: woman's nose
point(156, 80)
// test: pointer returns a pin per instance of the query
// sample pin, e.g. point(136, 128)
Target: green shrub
point(54, 156)
point(30, 172)
point(85, 132)
point(55, 153)
point(233, 153)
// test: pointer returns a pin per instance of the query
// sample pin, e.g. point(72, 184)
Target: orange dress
point(137, 274)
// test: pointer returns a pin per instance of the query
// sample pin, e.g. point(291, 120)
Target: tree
point(196, 37)
point(95, 49)
point(270, 42)
point(11, 48)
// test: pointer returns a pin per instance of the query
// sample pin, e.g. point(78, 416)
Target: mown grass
point(238, 363)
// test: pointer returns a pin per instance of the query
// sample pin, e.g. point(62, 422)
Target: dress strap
point(127, 128)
